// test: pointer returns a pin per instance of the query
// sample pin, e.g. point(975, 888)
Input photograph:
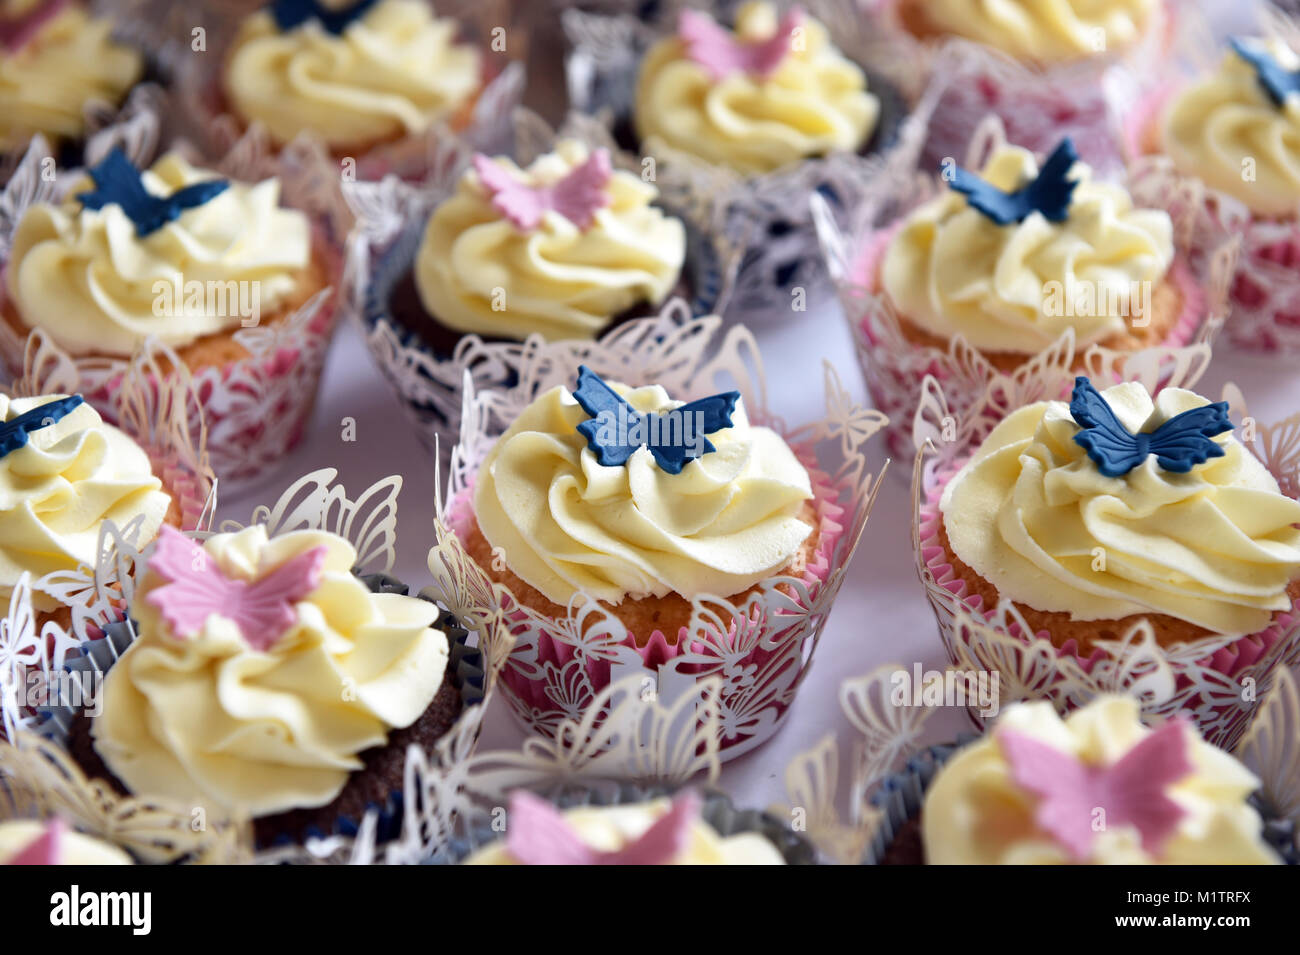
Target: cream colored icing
point(204, 717)
point(87, 278)
point(610, 828)
point(1214, 546)
point(951, 270)
point(477, 272)
point(46, 84)
point(566, 523)
point(75, 848)
point(1046, 31)
point(976, 814)
point(1225, 130)
point(395, 71)
point(814, 103)
point(59, 489)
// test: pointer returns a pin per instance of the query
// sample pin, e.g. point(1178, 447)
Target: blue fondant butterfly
point(1179, 444)
point(293, 13)
point(117, 182)
point(14, 434)
point(1049, 193)
point(616, 430)
point(1276, 79)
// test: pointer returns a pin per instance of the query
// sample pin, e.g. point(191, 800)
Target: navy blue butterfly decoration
point(14, 434)
point(1050, 193)
point(1276, 79)
point(294, 13)
point(613, 420)
point(118, 182)
point(1179, 444)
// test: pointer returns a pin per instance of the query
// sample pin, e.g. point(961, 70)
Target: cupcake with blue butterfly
point(1113, 527)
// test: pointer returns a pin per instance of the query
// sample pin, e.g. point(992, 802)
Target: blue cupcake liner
point(901, 795)
point(717, 810)
point(465, 670)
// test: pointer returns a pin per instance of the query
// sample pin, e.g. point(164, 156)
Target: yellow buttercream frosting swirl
point(1034, 516)
point(567, 523)
point(815, 102)
point(1045, 31)
point(1226, 131)
point(70, 62)
point(951, 270)
point(58, 490)
point(975, 813)
point(393, 72)
point(97, 287)
point(611, 828)
point(74, 848)
point(477, 272)
point(206, 717)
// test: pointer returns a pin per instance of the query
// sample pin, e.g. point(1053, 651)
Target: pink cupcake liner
point(1202, 685)
point(779, 652)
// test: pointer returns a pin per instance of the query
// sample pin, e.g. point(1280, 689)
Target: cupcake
point(1095, 788)
point(1019, 264)
point(55, 61)
point(563, 249)
point(65, 474)
point(1039, 65)
point(216, 272)
point(52, 842)
point(266, 679)
point(1237, 131)
point(659, 831)
point(770, 92)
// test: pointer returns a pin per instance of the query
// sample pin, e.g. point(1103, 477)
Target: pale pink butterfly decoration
point(577, 197)
point(716, 49)
point(262, 609)
point(538, 834)
point(45, 849)
point(1131, 791)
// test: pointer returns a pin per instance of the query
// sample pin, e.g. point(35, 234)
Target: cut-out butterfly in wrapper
point(1278, 82)
point(1179, 444)
point(289, 14)
point(196, 589)
point(716, 49)
point(1049, 193)
point(15, 433)
point(616, 430)
point(577, 197)
point(118, 182)
point(538, 834)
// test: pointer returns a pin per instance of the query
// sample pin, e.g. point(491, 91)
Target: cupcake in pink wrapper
point(1014, 264)
point(1120, 541)
point(1041, 66)
point(1234, 130)
point(377, 84)
point(228, 275)
point(632, 518)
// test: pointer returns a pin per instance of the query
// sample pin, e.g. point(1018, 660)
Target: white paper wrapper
point(390, 223)
point(203, 115)
point(257, 407)
point(894, 367)
point(560, 666)
point(1216, 681)
point(1265, 290)
point(768, 214)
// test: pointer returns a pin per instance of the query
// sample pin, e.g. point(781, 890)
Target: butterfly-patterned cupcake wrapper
point(717, 810)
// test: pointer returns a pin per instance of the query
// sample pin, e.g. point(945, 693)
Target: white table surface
point(881, 615)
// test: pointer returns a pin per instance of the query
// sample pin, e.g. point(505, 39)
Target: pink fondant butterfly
point(539, 835)
point(1131, 791)
point(46, 848)
point(16, 32)
point(717, 50)
point(262, 609)
point(576, 197)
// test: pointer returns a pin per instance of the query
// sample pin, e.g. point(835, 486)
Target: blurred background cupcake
point(1095, 788)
